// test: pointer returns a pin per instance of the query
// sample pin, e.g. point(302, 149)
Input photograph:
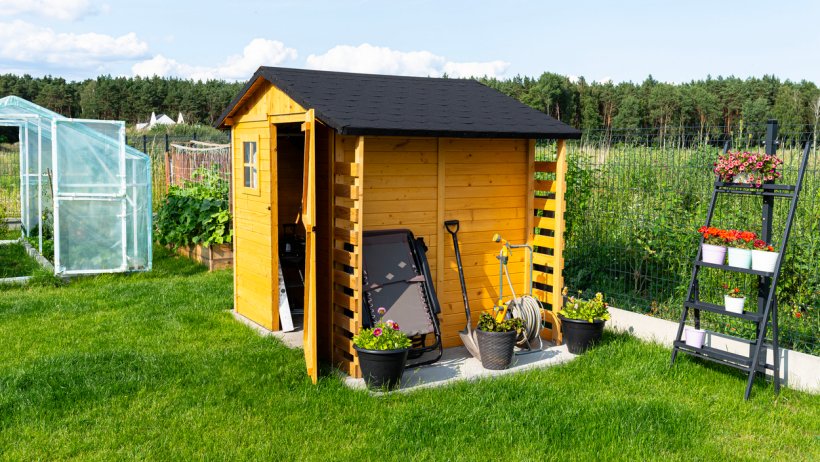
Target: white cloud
point(371, 59)
point(64, 10)
point(28, 43)
point(259, 52)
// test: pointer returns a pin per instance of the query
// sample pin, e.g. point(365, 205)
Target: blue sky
point(675, 41)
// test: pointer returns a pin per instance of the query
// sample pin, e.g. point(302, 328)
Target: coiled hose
point(528, 309)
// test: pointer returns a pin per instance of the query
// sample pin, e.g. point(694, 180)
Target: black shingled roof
point(370, 104)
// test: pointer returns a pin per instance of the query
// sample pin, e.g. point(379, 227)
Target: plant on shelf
point(196, 213)
point(582, 321)
point(740, 244)
point(764, 256)
point(714, 244)
point(733, 300)
point(382, 351)
point(747, 167)
point(496, 340)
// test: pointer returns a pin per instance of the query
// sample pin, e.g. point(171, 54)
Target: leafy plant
point(733, 292)
point(488, 323)
point(197, 212)
point(385, 335)
point(588, 310)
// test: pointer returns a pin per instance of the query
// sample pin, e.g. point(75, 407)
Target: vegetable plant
point(196, 213)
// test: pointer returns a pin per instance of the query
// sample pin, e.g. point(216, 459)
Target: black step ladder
point(766, 312)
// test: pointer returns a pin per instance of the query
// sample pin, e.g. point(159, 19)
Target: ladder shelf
point(766, 315)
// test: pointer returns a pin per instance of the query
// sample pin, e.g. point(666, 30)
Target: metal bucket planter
point(382, 368)
point(580, 334)
point(496, 348)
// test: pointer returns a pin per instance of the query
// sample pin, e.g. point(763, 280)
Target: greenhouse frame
point(82, 189)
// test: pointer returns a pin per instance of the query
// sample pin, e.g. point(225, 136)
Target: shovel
point(468, 334)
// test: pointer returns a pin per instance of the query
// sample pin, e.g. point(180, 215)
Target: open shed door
point(309, 220)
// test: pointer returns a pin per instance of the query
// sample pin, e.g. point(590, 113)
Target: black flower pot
point(496, 348)
point(580, 334)
point(382, 368)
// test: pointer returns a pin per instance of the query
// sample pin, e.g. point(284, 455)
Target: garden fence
point(635, 200)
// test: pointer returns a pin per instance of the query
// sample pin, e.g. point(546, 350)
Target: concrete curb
point(800, 371)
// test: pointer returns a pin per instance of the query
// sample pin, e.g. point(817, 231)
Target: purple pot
point(715, 254)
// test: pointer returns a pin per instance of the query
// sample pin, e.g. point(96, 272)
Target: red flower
point(760, 244)
point(798, 315)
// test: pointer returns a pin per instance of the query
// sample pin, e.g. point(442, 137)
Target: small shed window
point(250, 164)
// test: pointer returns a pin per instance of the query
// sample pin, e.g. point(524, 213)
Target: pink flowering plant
point(385, 335)
point(751, 167)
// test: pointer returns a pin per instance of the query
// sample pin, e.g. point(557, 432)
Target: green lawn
point(14, 261)
point(153, 367)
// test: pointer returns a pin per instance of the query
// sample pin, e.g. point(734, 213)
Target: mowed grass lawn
point(153, 367)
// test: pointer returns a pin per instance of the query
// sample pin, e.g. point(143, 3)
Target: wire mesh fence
point(156, 146)
point(635, 200)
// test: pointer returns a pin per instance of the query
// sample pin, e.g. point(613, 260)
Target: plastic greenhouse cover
point(101, 188)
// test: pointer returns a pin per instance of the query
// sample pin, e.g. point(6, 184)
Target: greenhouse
point(85, 195)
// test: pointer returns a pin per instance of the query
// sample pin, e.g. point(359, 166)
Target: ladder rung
point(720, 185)
point(724, 357)
point(703, 306)
point(733, 268)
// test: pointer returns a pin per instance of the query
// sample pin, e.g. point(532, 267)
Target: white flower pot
point(764, 261)
point(740, 258)
point(734, 305)
point(713, 254)
point(694, 337)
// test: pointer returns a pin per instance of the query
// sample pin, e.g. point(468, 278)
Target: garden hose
point(528, 309)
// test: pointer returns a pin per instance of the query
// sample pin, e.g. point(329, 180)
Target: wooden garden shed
point(344, 153)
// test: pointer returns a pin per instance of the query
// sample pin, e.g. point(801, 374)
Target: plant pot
point(694, 337)
point(580, 334)
point(764, 261)
point(740, 258)
point(742, 178)
point(713, 254)
point(382, 368)
point(496, 348)
point(734, 305)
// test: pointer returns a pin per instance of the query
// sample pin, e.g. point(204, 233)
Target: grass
point(14, 261)
point(152, 366)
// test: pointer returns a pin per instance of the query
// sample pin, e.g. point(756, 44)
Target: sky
point(674, 41)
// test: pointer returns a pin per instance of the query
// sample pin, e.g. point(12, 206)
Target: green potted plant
point(740, 245)
point(747, 168)
point(713, 249)
point(382, 351)
point(733, 300)
point(764, 256)
point(496, 340)
point(582, 321)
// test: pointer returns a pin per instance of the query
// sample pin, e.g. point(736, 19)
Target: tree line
point(711, 104)
point(131, 99)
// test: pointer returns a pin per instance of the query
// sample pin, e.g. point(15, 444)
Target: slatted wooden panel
point(348, 197)
point(547, 229)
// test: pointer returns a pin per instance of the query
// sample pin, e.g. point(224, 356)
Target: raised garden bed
point(215, 257)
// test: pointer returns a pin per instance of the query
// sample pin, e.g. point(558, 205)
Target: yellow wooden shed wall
point(418, 183)
point(255, 218)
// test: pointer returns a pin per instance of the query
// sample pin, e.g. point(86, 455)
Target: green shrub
point(488, 323)
point(196, 213)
